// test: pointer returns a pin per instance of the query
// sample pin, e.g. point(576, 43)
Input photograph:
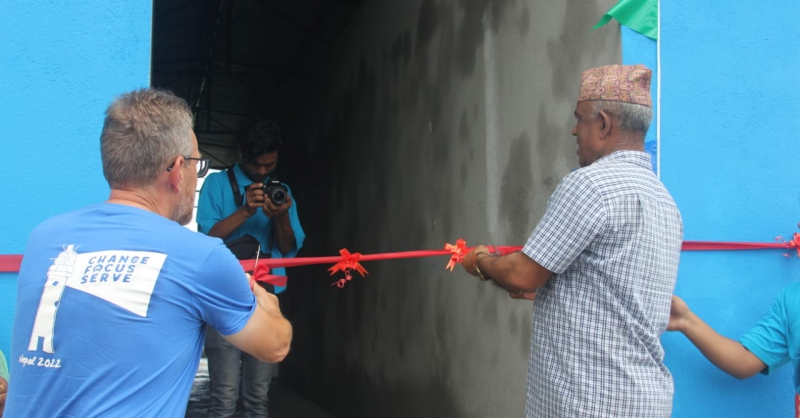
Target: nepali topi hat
point(618, 83)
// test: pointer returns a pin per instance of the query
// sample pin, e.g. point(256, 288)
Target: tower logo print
point(123, 278)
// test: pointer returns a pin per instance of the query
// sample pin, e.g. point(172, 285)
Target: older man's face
point(587, 130)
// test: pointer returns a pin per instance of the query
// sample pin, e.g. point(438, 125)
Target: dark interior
point(231, 59)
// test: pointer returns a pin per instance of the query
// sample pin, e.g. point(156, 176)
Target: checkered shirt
point(612, 237)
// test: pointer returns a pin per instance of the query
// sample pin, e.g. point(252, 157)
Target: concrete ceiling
point(230, 58)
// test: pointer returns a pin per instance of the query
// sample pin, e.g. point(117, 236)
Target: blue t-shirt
point(216, 203)
point(112, 303)
point(776, 338)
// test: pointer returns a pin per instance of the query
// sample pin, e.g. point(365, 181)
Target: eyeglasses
point(202, 165)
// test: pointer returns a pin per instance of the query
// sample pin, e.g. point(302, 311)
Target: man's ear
point(605, 123)
point(176, 174)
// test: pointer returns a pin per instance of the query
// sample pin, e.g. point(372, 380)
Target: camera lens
point(278, 197)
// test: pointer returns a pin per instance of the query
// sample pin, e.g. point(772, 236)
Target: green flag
point(639, 15)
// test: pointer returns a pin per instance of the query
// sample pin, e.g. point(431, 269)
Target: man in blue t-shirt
point(113, 299)
point(773, 342)
point(235, 205)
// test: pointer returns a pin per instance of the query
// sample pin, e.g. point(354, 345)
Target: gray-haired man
point(114, 299)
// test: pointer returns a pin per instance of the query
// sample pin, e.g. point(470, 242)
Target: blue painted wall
point(729, 141)
point(62, 63)
point(730, 123)
point(639, 49)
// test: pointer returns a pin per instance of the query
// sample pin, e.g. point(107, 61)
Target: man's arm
point(267, 335)
point(517, 273)
point(575, 216)
point(281, 220)
point(254, 198)
point(728, 355)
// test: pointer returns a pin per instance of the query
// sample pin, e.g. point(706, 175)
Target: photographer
point(247, 208)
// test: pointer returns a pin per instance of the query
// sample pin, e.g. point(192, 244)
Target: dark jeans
point(224, 363)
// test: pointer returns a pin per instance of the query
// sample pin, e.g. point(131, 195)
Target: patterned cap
point(618, 83)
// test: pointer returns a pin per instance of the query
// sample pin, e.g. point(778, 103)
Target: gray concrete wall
point(431, 121)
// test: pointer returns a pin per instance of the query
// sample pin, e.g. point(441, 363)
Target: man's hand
point(276, 212)
point(3, 391)
point(254, 198)
point(266, 300)
point(522, 295)
point(471, 258)
point(517, 273)
point(678, 314)
point(267, 335)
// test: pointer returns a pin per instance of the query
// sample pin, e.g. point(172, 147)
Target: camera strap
point(239, 200)
point(237, 195)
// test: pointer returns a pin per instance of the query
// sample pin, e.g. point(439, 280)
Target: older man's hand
point(471, 258)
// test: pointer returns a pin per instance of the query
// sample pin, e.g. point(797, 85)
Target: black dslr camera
point(275, 191)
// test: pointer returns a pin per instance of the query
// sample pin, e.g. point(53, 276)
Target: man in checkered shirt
point(601, 264)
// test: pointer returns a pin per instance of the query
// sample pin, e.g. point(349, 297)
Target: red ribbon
point(737, 246)
point(347, 263)
point(10, 263)
point(261, 272)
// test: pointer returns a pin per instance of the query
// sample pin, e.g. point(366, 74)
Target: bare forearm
point(281, 337)
point(728, 355)
point(284, 235)
point(268, 335)
point(224, 228)
point(514, 272)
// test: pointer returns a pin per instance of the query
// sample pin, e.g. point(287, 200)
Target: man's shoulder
point(118, 218)
point(579, 183)
point(622, 172)
point(216, 188)
point(614, 170)
point(61, 220)
point(196, 242)
point(790, 294)
point(216, 178)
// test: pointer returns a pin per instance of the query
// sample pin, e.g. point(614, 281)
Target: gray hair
point(144, 130)
point(632, 118)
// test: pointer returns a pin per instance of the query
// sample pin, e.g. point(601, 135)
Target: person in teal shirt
point(224, 214)
point(769, 345)
point(232, 205)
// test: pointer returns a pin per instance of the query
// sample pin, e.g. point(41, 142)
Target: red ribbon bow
point(346, 264)
point(457, 253)
point(795, 242)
